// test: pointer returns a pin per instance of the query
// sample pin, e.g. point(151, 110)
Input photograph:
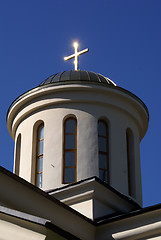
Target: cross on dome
point(76, 55)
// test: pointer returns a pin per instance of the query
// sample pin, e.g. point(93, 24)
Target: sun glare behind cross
point(76, 55)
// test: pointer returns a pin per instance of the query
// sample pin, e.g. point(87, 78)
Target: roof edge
point(76, 82)
point(95, 178)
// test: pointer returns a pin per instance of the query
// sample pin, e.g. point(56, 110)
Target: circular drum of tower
point(75, 125)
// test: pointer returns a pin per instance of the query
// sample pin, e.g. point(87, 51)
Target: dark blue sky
point(124, 38)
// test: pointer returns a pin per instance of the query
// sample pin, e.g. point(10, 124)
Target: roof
point(128, 199)
point(138, 212)
point(37, 220)
point(100, 221)
point(40, 192)
point(22, 215)
point(79, 75)
point(41, 205)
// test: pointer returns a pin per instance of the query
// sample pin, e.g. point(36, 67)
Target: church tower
point(76, 125)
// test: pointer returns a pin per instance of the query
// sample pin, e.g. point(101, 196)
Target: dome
point(77, 75)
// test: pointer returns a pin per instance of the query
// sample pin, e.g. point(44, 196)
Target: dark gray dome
point(79, 75)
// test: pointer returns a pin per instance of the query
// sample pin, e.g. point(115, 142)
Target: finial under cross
point(76, 55)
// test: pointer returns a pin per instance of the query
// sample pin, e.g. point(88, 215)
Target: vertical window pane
point(41, 132)
point(102, 128)
point(102, 142)
point(40, 147)
point(103, 175)
point(39, 180)
point(70, 159)
point(103, 161)
point(39, 164)
point(70, 142)
point(69, 175)
point(70, 126)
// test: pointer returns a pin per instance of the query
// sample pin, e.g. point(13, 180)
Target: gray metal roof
point(22, 215)
point(79, 75)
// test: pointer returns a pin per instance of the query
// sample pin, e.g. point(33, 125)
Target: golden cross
point(76, 55)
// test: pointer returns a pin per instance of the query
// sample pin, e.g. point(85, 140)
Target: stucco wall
point(88, 104)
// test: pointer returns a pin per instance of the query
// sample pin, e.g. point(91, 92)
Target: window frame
point(105, 153)
point(39, 156)
point(69, 150)
point(18, 155)
point(130, 162)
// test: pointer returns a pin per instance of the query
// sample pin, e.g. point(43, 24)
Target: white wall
point(88, 103)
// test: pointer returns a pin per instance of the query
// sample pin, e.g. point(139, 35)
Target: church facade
point(77, 163)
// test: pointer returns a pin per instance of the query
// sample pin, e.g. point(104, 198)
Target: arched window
point(130, 162)
point(39, 155)
point(70, 150)
point(103, 151)
point(18, 153)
